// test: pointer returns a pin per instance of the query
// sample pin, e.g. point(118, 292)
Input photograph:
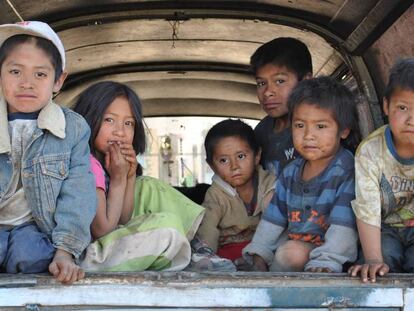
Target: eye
point(223, 161)
point(321, 126)
point(402, 108)
point(108, 120)
point(130, 123)
point(280, 81)
point(298, 125)
point(14, 71)
point(241, 156)
point(260, 83)
point(40, 75)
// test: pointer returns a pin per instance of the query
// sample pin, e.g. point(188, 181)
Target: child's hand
point(129, 153)
point(369, 269)
point(319, 270)
point(259, 264)
point(115, 163)
point(64, 269)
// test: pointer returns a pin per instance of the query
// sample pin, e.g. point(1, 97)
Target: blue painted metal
point(169, 290)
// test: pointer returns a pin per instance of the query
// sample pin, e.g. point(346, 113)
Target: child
point(47, 200)
point(313, 194)
point(240, 191)
point(278, 66)
point(157, 220)
point(384, 174)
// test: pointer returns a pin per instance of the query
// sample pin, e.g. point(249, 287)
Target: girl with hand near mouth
point(141, 223)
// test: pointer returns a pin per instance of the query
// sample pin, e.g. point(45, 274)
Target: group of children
point(288, 196)
point(323, 198)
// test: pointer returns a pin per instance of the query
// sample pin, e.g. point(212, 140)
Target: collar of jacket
point(50, 118)
point(224, 185)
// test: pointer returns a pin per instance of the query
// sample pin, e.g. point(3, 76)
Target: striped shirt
point(308, 208)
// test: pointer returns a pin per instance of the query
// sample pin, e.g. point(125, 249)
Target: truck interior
point(190, 59)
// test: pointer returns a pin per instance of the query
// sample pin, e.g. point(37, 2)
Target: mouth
point(26, 96)
point(310, 147)
point(113, 142)
point(271, 105)
point(236, 176)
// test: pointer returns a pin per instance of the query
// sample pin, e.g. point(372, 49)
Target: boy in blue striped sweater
point(309, 224)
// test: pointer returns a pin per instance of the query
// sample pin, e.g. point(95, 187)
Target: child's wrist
point(60, 253)
point(374, 261)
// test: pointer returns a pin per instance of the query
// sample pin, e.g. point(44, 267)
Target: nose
point(234, 164)
point(410, 117)
point(26, 81)
point(269, 90)
point(308, 133)
point(119, 129)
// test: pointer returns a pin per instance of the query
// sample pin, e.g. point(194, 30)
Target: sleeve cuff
point(257, 249)
point(333, 266)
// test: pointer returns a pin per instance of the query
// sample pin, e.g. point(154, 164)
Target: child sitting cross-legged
point(240, 191)
point(309, 222)
point(384, 176)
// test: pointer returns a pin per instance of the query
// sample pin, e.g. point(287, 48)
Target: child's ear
point(257, 157)
point(59, 82)
point(385, 106)
point(345, 133)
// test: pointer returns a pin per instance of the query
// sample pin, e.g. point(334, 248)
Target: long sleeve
point(209, 231)
point(340, 246)
point(76, 203)
point(367, 205)
point(264, 242)
point(271, 226)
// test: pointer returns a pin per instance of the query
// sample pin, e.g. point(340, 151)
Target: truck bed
point(195, 291)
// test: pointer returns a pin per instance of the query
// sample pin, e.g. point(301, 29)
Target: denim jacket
point(56, 177)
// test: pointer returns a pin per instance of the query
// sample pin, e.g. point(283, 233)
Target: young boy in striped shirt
point(309, 224)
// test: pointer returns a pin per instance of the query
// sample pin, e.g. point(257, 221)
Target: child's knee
point(291, 256)
point(29, 251)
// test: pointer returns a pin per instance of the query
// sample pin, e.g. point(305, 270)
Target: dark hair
point(47, 46)
point(401, 77)
point(93, 102)
point(327, 93)
point(229, 128)
point(288, 52)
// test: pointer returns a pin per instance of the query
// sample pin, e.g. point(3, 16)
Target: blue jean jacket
point(56, 177)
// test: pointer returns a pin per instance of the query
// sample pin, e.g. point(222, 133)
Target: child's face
point(234, 161)
point(400, 112)
point(316, 134)
point(118, 125)
point(27, 78)
point(274, 84)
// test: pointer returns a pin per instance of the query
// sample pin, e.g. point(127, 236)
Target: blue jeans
point(398, 248)
point(25, 249)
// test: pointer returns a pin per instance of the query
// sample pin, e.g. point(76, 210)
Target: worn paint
point(164, 296)
point(210, 290)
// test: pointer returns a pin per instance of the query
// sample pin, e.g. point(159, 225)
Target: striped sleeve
point(344, 183)
point(342, 213)
point(276, 212)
